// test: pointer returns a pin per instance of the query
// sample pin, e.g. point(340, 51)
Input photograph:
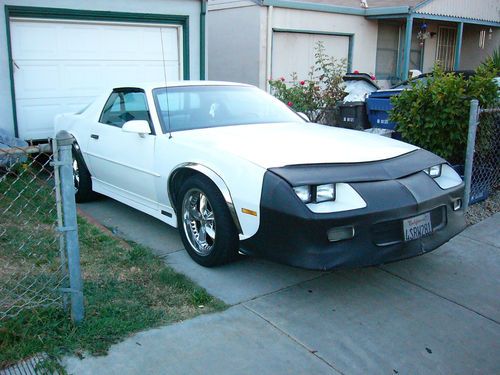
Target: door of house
point(445, 50)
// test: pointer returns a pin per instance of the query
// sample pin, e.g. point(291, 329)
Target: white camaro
point(237, 170)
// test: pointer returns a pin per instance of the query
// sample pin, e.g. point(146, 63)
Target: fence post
point(70, 228)
point(469, 156)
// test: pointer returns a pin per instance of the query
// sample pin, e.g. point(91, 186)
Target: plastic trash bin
point(378, 105)
point(352, 115)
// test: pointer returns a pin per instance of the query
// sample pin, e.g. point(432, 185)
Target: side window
point(124, 106)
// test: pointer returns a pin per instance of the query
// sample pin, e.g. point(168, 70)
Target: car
point(238, 171)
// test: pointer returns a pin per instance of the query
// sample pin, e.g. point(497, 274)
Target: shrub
point(317, 94)
point(435, 114)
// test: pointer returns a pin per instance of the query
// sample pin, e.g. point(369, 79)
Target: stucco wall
point(472, 55)
point(233, 44)
point(177, 7)
point(365, 38)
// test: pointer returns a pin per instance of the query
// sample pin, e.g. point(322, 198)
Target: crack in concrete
point(437, 294)
point(295, 340)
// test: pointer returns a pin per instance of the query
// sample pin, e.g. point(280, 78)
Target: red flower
point(302, 83)
point(356, 72)
point(373, 78)
point(282, 79)
point(289, 104)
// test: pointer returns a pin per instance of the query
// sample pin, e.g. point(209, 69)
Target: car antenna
point(166, 85)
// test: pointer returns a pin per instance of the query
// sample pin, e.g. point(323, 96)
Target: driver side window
point(123, 106)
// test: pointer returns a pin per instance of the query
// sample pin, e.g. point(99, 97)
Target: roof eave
point(302, 5)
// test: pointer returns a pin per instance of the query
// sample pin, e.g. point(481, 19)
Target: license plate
point(417, 227)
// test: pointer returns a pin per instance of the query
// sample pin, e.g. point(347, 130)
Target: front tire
point(81, 177)
point(206, 227)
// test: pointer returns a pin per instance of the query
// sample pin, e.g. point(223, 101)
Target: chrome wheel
point(76, 175)
point(198, 221)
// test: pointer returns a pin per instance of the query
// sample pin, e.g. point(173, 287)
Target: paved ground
point(438, 313)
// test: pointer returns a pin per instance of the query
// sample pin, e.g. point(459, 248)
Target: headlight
point(434, 171)
point(325, 193)
point(304, 193)
point(315, 193)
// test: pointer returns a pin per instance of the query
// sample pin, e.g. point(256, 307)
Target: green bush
point(435, 114)
point(317, 94)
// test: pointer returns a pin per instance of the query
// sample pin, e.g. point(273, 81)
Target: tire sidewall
point(226, 241)
point(84, 192)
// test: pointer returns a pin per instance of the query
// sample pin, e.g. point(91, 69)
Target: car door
point(122, 163)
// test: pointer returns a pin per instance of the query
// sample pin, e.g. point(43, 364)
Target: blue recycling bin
point(378, 105)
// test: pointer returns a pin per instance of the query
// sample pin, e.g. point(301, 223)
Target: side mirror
point(304, 116)
point(140, 127)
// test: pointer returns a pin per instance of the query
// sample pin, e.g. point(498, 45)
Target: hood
point(279, 145)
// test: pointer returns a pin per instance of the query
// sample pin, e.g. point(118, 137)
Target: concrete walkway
point(438, 313)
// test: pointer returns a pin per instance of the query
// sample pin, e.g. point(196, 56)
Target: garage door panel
point(83, 77)
point(41, 111)
point(170, 41)
point(32, 111)
point(294, 52)
point(62, 65)
point(34, 41)
point(36, 79)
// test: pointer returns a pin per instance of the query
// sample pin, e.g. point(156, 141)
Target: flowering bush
point(317, 94)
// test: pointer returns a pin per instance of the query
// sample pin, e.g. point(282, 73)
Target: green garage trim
point(91, 15)
point(203, 15)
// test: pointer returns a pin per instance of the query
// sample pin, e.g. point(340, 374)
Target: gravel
point(484, 209)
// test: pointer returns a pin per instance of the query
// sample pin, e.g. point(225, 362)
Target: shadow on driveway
point(438, 313)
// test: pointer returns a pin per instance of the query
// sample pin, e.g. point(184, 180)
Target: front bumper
point(290, 233)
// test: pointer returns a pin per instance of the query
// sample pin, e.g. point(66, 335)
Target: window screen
point(387, 51)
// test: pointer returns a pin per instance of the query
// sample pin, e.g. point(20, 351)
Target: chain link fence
point(36, 206)
point(482, 164)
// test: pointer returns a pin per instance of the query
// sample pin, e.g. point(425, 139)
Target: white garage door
point(61, 66)
point(294, 52)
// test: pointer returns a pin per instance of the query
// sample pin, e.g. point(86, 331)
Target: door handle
point(95, 136)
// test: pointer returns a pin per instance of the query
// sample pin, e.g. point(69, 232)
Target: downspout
point(203, 15)
point(269, 40)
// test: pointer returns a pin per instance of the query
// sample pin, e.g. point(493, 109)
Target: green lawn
point(127, 289)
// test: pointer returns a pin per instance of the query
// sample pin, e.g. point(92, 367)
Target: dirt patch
point(483, 210)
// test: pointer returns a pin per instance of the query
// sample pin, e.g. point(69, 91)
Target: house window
point(445, 52)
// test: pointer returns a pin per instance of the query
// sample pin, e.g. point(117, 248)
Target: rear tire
point(81, 177)
point(206, 227)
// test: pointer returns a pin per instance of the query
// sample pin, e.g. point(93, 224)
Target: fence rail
point(38, 231)
point(482, 160)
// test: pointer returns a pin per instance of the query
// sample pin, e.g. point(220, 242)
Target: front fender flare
point(215, 178)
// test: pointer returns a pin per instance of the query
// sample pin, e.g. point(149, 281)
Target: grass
point(127, 289)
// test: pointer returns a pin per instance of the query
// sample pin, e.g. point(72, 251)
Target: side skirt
point(160, 212)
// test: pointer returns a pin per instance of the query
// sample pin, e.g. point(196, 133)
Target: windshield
point(196, 107)
point(407, 84)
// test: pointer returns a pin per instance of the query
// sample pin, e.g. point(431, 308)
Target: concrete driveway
point(438, 313)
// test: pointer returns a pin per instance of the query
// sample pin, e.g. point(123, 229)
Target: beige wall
point(365, 39)
point(238, 47)
point(233, 44)
point(472, 55)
